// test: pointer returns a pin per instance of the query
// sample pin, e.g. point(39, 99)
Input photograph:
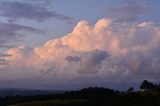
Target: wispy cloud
point(5, 55)
point(15, 10)
point(128, 10)
point(11, 32)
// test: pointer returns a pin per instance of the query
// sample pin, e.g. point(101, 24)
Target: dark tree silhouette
point(147, 85)
point(130, 89)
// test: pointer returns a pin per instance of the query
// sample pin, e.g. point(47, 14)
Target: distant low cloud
point(15, 10)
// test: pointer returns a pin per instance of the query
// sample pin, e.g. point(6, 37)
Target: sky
point(72, 44)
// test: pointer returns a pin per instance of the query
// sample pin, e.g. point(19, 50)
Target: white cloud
point(84, 56)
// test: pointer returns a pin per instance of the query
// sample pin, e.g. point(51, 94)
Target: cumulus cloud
point(90, 55)
point(15, 10)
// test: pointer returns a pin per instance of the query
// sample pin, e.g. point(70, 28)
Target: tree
point(156, 86)
point(147, 85)
point(130, 89)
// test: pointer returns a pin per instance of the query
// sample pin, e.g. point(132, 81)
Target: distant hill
point(92, 96)
point(149, 95)
point(26, 92)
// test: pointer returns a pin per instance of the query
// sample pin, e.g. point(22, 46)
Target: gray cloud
point(3, 61)
point(15, 10)
point(73, 59)
point(42, 2)
point(48, 70)
point(91, 61)
point(4, 44)
point(10, 32)
point(128, 10)
point(36, 1)
point(5, 55)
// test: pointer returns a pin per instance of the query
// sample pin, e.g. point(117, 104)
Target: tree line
point(148, 95)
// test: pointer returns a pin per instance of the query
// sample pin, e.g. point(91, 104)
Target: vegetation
point(66, 102)
point(92, 96)
point(149, 86)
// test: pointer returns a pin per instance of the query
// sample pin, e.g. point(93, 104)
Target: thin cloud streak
point(11, 32)
point(16, 10)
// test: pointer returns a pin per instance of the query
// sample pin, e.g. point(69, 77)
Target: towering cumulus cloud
point(108, 52)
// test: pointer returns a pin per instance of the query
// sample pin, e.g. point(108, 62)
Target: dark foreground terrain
point(149, 95)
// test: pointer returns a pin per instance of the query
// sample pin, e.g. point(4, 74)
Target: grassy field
point(65, 102)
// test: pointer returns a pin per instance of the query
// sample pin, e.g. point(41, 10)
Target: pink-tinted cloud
point(107, 52)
